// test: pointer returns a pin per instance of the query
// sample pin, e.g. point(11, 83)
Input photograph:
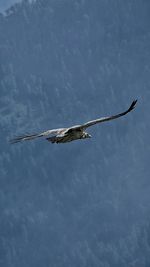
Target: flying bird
point(64, 135)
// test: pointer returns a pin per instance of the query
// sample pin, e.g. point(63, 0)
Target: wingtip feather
point(132, 105)
point(22, 138)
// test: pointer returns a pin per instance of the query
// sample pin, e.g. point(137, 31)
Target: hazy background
point(5, 4)
point(85, 203)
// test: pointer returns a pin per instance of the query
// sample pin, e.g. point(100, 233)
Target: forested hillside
point(5, 4)
point(85, 203)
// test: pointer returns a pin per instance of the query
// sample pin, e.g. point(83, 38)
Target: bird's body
point(64, 135)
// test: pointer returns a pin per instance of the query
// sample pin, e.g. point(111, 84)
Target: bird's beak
point(90, 136)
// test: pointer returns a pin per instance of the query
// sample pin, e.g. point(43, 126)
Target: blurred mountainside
point(85, 203)
point(5, 4)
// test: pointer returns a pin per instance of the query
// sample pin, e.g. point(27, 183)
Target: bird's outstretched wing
point(90, 123)
point(27, 137)
point(76, 128)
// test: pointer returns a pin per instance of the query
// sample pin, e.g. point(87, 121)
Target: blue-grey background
point(85, 203)
point(6, 4)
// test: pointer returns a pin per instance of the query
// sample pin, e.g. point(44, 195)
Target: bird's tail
point(52, 139)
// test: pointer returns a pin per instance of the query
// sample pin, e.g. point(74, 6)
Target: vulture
point(64, 135)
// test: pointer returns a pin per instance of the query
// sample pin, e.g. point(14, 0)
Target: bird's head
point(86, 135)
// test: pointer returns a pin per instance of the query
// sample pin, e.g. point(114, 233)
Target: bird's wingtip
point(23, 138)
point(132, 105)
